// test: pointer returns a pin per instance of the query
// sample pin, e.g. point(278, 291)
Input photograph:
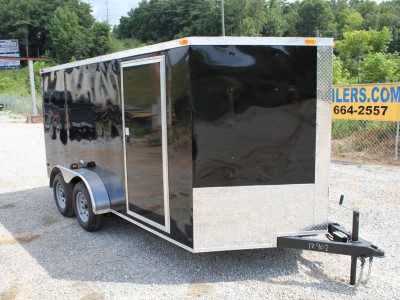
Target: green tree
point(245, 17)
point(390, 17)
point(18, 21)
point(357, 44)
point(369, 10)
point(45, 13)
point(198, 18)
point(67, 39)
point(29, 20)
point(151, 21)
point(380, 67)
point(88, 37)
point(380, 40)
point(162, 20)
point(101, 40)
point(353, 21)
point(275, 24)
point(341, 10)
point(340, 75)
point(255, 11)
point(291, 18)
point(235, 13)
point(316, 19)
point(250, 27)
point(352, 48)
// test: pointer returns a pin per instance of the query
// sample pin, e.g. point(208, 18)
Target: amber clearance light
point(310, 41)
point(184, 42)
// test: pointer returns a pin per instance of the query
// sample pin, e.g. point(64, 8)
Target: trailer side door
point(145, 148)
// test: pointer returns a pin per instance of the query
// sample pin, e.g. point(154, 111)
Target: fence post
point(396, 146)
point(33, 91)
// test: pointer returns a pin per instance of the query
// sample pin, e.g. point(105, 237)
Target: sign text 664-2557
point(379, 102)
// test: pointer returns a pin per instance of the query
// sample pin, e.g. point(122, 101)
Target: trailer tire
point(63, 196)
point(83, 209)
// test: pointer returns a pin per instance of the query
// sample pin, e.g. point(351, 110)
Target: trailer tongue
point(212, 143)
point(339, 241)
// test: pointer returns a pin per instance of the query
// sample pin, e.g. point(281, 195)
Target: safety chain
point(369, 270)
point(360, 279)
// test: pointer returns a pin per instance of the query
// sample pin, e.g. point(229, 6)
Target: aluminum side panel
point(82, 116)
point(248, 216)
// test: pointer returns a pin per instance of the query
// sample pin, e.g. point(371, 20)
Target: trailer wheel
point(83, 208)
point(63, 196)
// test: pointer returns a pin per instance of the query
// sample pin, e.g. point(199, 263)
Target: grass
point(15, 82)
point(15, 90)
point(344, 128)
point(364, 140)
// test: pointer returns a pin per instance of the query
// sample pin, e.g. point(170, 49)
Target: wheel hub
point(82, 207)
point(60, 193)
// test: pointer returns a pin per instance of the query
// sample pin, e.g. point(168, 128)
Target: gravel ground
point(46, 256)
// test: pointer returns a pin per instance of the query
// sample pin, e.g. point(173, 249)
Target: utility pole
point(223, 17)
point(108, 21)
point(32, 85)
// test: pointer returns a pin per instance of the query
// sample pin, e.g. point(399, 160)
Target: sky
point(116, 9)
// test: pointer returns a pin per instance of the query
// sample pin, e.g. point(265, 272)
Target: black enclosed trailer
point(213, 143)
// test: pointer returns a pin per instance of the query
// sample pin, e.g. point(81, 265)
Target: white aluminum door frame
point(138, 62)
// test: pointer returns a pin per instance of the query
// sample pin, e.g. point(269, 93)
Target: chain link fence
point(365, 141)
point(20, 104)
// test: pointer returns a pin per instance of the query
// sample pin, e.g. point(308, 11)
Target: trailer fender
point(98, 192)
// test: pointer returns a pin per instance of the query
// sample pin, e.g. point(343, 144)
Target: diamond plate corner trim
point(323, 137)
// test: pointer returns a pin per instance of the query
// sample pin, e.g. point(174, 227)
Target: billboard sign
point(7, 63)
point(373, 102)
point(9, 46)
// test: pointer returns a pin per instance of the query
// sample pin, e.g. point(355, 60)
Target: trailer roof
point(213, 41)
